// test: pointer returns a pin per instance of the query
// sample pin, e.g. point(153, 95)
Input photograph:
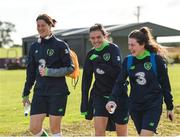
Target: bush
point(173, 58)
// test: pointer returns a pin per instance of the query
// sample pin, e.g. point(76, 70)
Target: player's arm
point(163, 79)
point(30, 75)
point(120, 86)
point(56, 72)
point(86, 83)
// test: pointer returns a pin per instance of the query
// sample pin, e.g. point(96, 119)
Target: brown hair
point(99, 27)
point(144, 36)
point(47, 19)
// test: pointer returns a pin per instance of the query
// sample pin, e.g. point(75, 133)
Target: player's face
point(96, 38)
point(43, 28)
point(135, 48)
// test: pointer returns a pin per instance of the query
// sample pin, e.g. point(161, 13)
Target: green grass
point(174, 74)
point(12, 52)
point(13, 122)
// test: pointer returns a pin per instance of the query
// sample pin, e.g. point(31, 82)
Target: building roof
point(157, 30)
point(119, 30)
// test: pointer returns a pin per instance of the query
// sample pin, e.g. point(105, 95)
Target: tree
point(6, 28)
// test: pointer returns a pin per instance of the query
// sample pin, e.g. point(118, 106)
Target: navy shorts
point(148, 119)
point(120, 116)
point(51, 105)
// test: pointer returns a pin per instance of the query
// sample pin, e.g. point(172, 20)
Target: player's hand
point(170, 115)
point(42, 71)
point(111, 106)
point(26, 100)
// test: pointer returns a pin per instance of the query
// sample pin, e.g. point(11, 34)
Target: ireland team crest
point(106, 56)
point(50, 52)
point(147, 65)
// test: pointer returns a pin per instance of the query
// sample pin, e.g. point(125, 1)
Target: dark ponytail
point(47, 19)
point(99, 27)
point(144, 36)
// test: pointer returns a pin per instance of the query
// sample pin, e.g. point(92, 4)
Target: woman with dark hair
point(104, 61)
point(149, 81)
point(47, 55)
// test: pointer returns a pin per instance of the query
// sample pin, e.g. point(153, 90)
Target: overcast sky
point(84, 13)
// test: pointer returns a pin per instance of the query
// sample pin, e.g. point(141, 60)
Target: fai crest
point(50, 52)
point(147, 65)
point(106, 56)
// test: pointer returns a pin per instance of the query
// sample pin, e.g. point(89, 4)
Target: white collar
point(46, 38)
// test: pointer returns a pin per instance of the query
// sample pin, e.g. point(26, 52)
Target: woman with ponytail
point(104, 62)
point(149, 81)
point(47, 55)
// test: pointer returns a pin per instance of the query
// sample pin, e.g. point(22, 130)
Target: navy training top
point(55, 52)
point(105, 65)
point(147, 88)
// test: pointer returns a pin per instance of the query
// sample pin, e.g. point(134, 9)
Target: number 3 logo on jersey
point(140, 78)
